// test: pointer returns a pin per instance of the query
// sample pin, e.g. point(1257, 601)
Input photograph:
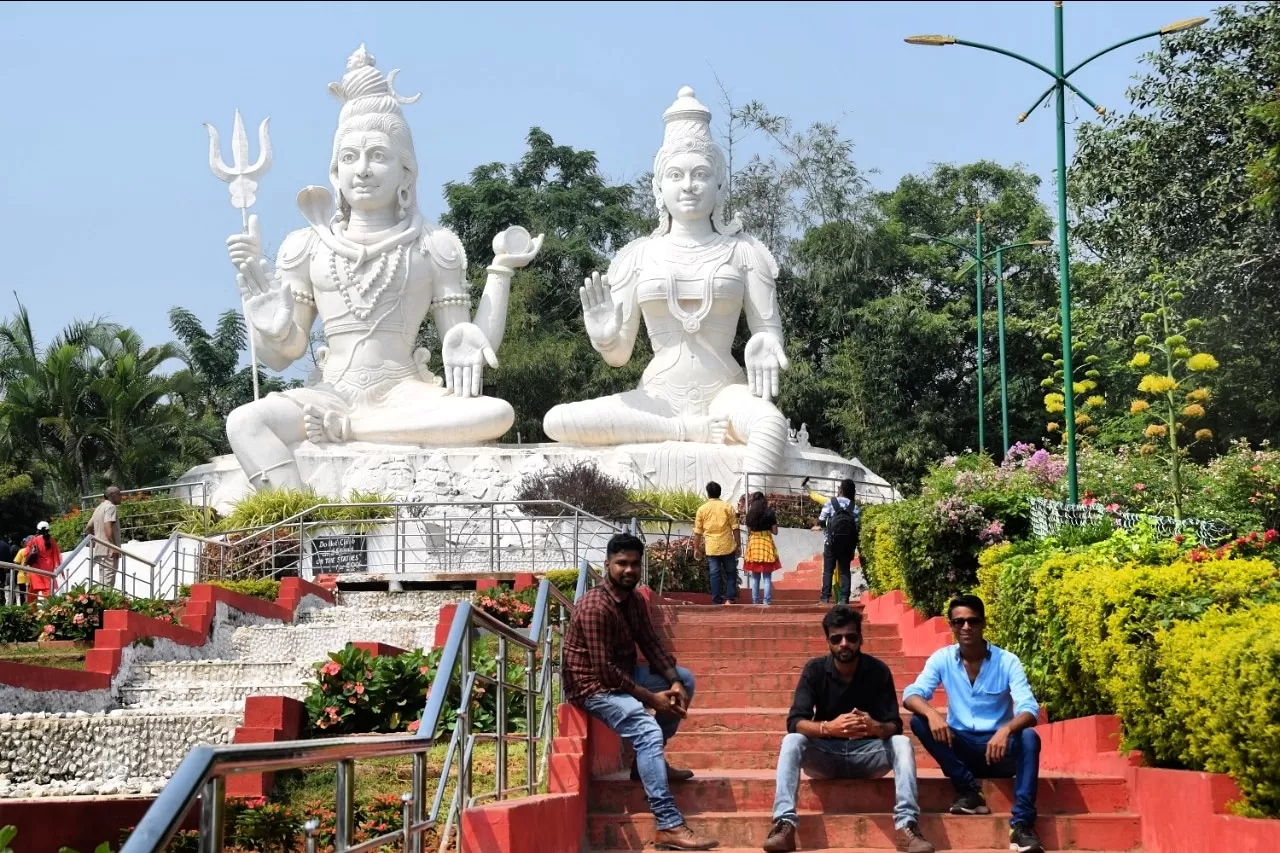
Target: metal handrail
point(202, 774)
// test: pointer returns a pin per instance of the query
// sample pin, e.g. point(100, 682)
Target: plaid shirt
point(600, 644)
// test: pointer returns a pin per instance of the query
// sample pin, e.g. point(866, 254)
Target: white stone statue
point(371, 269)
point(690, 281)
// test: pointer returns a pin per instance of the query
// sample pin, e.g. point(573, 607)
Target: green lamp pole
point(1061, 83)
point(1004, 377)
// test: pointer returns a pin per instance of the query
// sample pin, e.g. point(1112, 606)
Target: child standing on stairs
point(762, 554)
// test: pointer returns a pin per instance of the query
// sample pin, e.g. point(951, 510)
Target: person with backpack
point(841, 519)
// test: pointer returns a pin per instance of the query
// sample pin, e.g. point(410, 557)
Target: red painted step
point(736, 612)
point(820, 831)
point(726, 759)
point(799, 648)
point(744, 720)
point(691, 628)
point(723, 791)
point(746, 666)
point(708, 696)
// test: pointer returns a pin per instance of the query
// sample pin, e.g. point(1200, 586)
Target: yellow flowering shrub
point(1220, 679)
point(883, 563)
point(1154, 383)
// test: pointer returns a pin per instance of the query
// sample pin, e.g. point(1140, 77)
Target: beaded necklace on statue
point(382, 272)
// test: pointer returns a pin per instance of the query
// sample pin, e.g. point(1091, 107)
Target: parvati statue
point(690, 281)
point(371, 269)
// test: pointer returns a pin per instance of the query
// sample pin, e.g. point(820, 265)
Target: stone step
point(756, 849)
point(749, 685)
point(875, 831)
point(766, 743)
point(717, 694)
point(220, 672)
point(723, 791)
point(195, 697)
point(64, 754)
point(312, 643)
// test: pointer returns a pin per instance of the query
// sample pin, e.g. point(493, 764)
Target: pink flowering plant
point(341, 700)
point(507, 607)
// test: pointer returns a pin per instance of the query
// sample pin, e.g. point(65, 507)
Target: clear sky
point(109, 208)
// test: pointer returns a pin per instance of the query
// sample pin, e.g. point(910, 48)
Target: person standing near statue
point(841, 520)
point(105, 526)
point(761, 559)
point(716, 534)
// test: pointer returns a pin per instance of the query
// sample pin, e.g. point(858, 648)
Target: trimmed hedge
point(1220, 680)
point(1130, 626)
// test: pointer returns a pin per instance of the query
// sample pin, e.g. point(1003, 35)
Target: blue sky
point(109, 208)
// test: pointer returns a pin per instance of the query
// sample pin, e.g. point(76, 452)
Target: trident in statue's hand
point(241, 177)
point(242, 180)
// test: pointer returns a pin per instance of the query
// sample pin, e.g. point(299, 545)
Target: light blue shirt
point(996, 696)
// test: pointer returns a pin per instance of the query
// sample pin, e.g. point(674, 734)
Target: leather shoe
point(782, 838)
point(683, 838)
point(673, 775)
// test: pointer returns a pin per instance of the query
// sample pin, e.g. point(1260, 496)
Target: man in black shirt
point(845, 724)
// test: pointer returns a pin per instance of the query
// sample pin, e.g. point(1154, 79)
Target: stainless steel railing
point(392, 540)
point(865, 491)
point(168, 507)
point(201, 777)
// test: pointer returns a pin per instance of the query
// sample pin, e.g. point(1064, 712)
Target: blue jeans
point(724, 573)
point(965, 761)
point(834, 758)
point(758, 579)
point(624, 714)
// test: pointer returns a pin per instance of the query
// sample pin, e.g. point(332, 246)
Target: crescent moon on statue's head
point(391, 87)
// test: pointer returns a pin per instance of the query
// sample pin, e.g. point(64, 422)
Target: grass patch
point(34, 655)
point(380, 777)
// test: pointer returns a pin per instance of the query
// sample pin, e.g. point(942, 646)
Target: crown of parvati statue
point(687, 128)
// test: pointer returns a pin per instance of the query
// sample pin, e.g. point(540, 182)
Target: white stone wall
point(117, 752)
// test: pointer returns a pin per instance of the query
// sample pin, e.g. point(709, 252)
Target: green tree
point(883, 327)
point(557, 191)
point(1169, 183)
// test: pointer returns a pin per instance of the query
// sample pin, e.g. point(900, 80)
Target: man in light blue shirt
point(988, 729)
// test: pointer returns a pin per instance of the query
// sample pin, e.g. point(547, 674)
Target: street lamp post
point(980, 259)
point(1004, 377)
point(1061, 82)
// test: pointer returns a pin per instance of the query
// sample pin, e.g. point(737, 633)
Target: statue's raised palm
point(602, 316)
point(268, 303)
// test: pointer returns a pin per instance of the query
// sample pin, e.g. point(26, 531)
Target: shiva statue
point(690, 280)
point(371, 268)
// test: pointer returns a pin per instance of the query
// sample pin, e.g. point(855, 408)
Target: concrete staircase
point(746, 660)
point(158, 709)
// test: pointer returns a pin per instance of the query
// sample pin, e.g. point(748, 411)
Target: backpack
point(842, 530)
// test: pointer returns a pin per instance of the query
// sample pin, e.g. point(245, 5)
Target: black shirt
point(822, 695)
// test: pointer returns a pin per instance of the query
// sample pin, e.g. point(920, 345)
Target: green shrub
point(566, 580)
point(264, 588)
point(507, 607)
point(18, 624)
point(672, 567)
point(272, 506)
point(680, 505)
point(1220, 678)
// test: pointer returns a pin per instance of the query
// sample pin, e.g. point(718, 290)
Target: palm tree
point(47, 413)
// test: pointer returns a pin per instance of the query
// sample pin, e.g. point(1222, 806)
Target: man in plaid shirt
point(601, 677)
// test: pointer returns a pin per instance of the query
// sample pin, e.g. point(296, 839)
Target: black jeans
point(829, 565)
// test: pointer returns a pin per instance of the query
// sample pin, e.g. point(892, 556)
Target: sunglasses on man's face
point(838, 639)
point(960, 621)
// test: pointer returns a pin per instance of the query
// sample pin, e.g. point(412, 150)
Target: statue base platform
point(493, 472)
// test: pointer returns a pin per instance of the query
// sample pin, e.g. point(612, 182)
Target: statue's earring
point(403, 210)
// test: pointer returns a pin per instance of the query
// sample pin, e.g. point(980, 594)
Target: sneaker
point(683, 838)
point(1022, 839)
point(970, 803)
point(782, 838)
point(910, 840)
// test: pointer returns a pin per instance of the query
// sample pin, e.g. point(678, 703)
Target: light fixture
point(935, 41)
point(1184, 24)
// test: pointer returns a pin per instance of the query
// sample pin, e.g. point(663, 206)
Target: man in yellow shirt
point(716, 533)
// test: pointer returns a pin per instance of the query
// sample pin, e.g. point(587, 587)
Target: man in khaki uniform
point(104, 525)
